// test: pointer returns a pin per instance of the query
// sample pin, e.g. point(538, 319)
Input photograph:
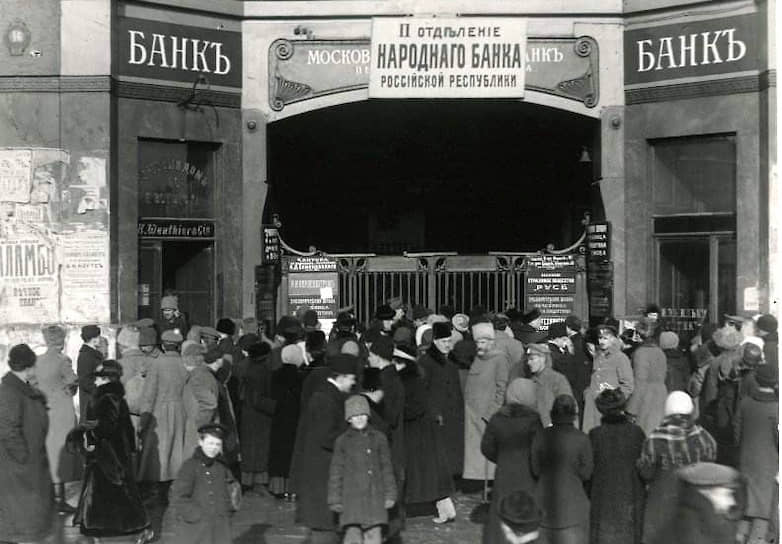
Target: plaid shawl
point(675, 443)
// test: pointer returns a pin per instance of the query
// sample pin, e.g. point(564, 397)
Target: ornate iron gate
point(495, 282)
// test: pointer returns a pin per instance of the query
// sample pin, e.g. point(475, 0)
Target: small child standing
point(204, 495)
point(361, 480)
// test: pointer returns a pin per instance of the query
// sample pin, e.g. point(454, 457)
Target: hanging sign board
point(271, 245)
point(313, 282)
point(551, 287)
point(450, 57)
point(600, 271)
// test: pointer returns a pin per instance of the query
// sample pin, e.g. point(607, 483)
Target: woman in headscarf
point(611, 370)
point(562, 461)
point(286, 391)
point(507, 442)
point(617, 491)
point(649, 370)
point(675, 443)
point(110, 504)
point(58, 381)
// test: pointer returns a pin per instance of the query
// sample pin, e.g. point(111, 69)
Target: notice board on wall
point(551, 287)
point(600, 271)
point(313, 282)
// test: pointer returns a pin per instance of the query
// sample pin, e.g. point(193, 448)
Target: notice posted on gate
point(551, 287)
point(449, 57)
point(313, 282)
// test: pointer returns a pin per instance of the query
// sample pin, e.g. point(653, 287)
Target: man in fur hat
point(527, 332)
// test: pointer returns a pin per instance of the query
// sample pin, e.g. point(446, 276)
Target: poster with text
point(16, 174)
point(551, 287)
point(28, 279)
point(85, 276)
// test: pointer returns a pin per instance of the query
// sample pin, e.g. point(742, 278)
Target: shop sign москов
point(158, 50)
point(697, 48)
point(305, 69)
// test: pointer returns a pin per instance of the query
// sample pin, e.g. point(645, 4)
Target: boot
point(446, 513)
point(59, 500)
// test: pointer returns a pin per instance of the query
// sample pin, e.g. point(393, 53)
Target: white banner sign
point(475, 57)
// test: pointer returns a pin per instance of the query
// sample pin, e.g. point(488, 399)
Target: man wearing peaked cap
point(209, 336)
point(88, 360)
point(527, 331)
point(171, 337)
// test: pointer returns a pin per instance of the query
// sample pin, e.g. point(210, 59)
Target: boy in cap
point(88, 360)
point(362, 486)
point(171, 318)
point(766, 326)
point(203, 496)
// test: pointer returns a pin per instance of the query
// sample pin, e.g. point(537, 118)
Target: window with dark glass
point(694, 218)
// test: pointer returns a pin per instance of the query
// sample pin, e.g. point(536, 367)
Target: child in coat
point(204, 494)
point(361, 479)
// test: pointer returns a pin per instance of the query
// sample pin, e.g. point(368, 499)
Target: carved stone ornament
point(17, 38)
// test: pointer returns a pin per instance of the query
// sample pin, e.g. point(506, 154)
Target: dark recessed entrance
point(414, 175)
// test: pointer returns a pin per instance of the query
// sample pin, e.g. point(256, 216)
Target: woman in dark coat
point(446, 400)
point(757, 421)
point(678, 374)
point(286, 392)
point(507, 442)
point(257, 411)
point(427, 470)
point(26, 499)
point(617, 491)
point(110, 504)
point(675, 443)
point(562, 461)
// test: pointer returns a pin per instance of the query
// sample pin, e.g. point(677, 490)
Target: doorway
point(183, 268)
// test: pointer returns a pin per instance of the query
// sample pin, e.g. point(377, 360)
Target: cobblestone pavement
point(265, 520)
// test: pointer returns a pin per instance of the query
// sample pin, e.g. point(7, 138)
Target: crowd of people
point(583, 434)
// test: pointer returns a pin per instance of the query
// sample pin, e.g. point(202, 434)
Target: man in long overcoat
point(323, 422)
point(484, 394)
point(26, 499)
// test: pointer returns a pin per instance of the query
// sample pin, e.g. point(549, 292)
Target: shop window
point(694, 222)
point(694, 175)
point(175, 179)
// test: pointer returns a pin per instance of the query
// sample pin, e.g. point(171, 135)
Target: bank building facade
point(256, 156)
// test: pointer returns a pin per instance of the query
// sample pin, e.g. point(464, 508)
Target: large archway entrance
point(491, 180)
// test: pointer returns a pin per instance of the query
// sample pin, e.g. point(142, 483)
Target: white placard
point(451, 57)
point(16, 174)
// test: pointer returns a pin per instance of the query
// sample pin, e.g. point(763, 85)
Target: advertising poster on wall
point(85, 276)
point(600, 271)
point(28, 279)
point(551, 287)
point(16, 174)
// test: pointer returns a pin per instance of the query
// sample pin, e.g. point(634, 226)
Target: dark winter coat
point(617, 491)
point(257, 410)
point(676, 443)
point(315, 378)
point(771, 348)
point(507, 442)
point(227, 417)
point(695, 521)
point(446, 404)
point(427, 470)
point(200, 501)
point(323, 422)
point(206, 390)
point(25, 482)
point(110, 504)
point(756, 427)
point(718, 414)
point(388, 415)
point(562, 461)
point(286, 392)
point(361, 478)
point(678, 374)
point(88, 360)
